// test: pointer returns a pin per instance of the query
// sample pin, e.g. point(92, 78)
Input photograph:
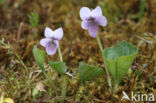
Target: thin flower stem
point(64, 86)
point(21, 62)
point(99, 43)
point(63, 76)
point(108, 76)
point(60, 54)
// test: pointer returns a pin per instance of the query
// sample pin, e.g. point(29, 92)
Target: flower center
point(92, 21)
point(52, 41)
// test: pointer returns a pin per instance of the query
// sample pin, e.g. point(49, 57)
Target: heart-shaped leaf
point(60, 67)
point(89, 72)
point(39, 56)
point(119, 58)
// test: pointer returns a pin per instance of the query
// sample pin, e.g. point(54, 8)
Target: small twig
point(19, 31)
point(99, 101)
point(39, 72)
point(69, 74)
point(59, 98)
point(147, 41)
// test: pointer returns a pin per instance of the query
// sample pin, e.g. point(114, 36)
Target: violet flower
point(91, 19)
point(51, 42)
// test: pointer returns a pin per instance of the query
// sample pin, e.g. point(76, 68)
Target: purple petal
point(97, 12)
point(48, 32)
point(93, 30)
point(52, 47)
point(45, 41)
point(101, 20)
point(85, 24)
point(85, 13)
point(58, 34)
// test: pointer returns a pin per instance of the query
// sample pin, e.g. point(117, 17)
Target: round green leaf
point(119, 58)
point(60, 67)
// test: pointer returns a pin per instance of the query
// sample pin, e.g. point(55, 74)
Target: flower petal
point(58, 34)
point(48, 32)
point(85, 13)
point(101, 20)
point(96, 12)
point(52, 47)
point(85, 25)
point(45, 41)
point(93, 30)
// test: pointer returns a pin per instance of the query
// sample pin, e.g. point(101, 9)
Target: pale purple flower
point(51, 41)
point(91, 19)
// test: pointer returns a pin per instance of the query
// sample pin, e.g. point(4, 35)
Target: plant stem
point(99, 43)
point(63, 77)
point(142, 9)
point(108, 76)
point(34, 32)
point(64, 86)
point(60, 54)
point(21, 62)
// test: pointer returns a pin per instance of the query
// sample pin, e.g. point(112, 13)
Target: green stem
point(60, 54)
point(21, 62)
point(99, 43)
point(34, 32)
point(64, 86)
point(63, 77)
point(142, 9)
point(109, 79)
point(108, 76)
